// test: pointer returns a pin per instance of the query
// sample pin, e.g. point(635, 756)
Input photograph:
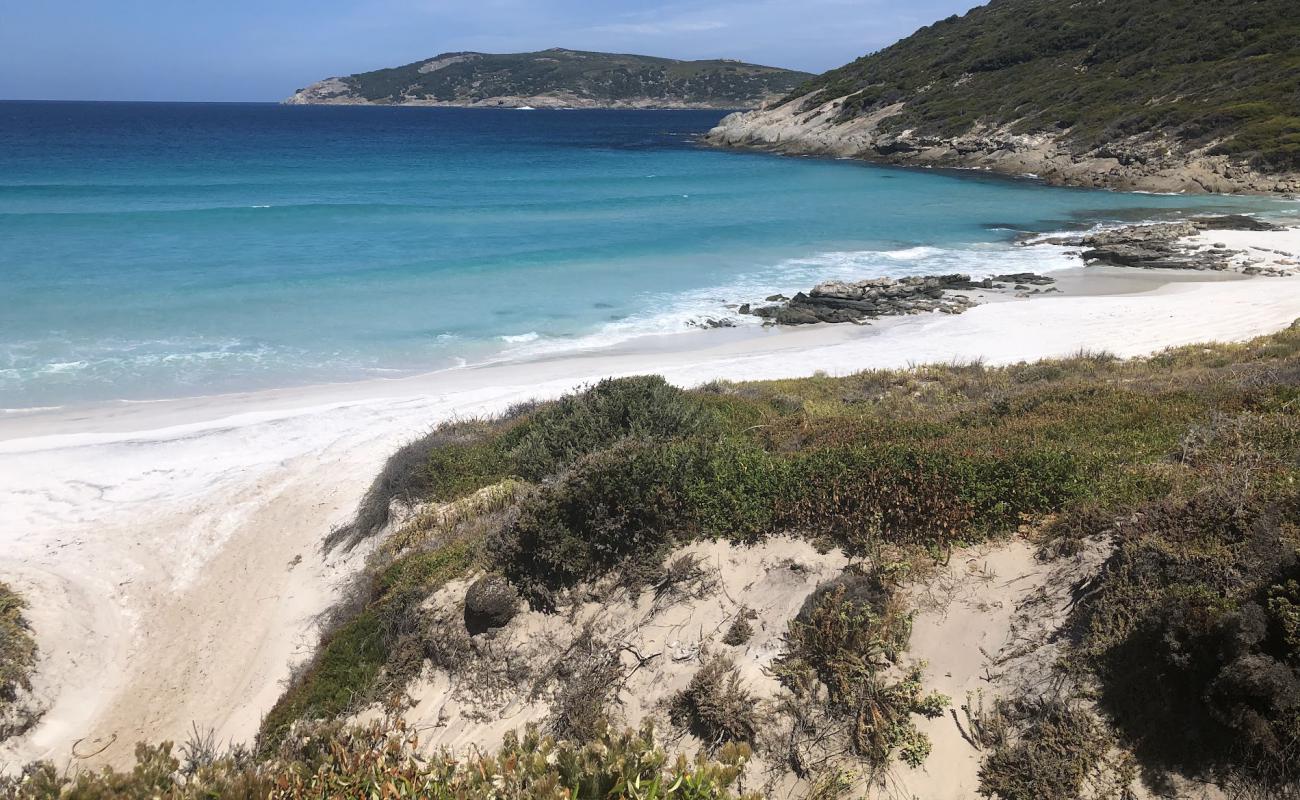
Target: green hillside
point(600, 78)
point(1207, 73)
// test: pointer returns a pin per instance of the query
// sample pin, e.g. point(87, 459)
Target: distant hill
point(1163, 94)
point(558, 78)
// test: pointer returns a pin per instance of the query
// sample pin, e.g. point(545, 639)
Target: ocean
point(150, 251)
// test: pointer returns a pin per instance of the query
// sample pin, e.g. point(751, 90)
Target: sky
point(249, 50)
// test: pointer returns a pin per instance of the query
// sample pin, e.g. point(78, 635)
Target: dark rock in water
point(744, 308)
point(490, 602)
point(777, 298)
point(711, 322)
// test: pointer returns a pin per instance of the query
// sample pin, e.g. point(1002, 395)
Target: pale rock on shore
point(793, 129)
point(1200, 243)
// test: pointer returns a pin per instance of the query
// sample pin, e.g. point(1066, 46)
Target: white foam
point(671, 313)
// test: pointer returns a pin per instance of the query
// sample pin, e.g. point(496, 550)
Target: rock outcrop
point(1167, 245)
point(1140, 164)
point(861, 301)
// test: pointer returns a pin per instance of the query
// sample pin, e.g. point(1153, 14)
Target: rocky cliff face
point(1132, 164)
point(557, 78)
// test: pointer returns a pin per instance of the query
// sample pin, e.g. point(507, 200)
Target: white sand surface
point(171, 553)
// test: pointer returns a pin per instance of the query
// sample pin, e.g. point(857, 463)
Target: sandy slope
point(983, 624)
point(170, 550)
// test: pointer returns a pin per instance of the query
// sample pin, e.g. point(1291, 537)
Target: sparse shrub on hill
point(17, 649)
point(741, 630)
point(375, 642)
point(1193, 73)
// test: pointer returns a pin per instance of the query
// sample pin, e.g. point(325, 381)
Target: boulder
point(490, 602)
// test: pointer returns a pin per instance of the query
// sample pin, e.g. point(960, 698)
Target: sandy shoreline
point(171, 549)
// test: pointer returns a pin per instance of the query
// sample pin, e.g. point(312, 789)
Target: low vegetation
point(17, 660)
point(384, 762)
point(716, 706)
point(1192, 630)
point(1063, 752)
point(843, 654)
point(375, 643)
point(1204, 73)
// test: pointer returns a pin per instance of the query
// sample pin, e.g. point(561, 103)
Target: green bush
point(17, 652)
point(354, 654)
point(716, 707)
point(1061, 750)
point(385, 762)
point(1190, 629)
point(1188, 460)
point(846, 639)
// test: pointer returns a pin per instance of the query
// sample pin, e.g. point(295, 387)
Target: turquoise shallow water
point(160, 250)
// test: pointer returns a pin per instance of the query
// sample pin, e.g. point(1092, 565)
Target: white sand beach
point(171, 551)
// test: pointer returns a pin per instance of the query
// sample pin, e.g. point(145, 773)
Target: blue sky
point(250, 50)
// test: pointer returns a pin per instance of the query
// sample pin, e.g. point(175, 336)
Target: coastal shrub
point(17, 648)
point(538, 443)
point(1190, 631)
point(362, 646)
point(17, 654)
point(384, 761)
point(644, 408)
point(534, 442)
point(715, 706)
point(840, 652)
point(404, 477)
point(1186, 460)
point(741, 629)
point(585, 680)
point(1060, 750)
point(628, 505)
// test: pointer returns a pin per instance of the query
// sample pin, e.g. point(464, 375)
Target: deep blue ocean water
point(161, 250)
